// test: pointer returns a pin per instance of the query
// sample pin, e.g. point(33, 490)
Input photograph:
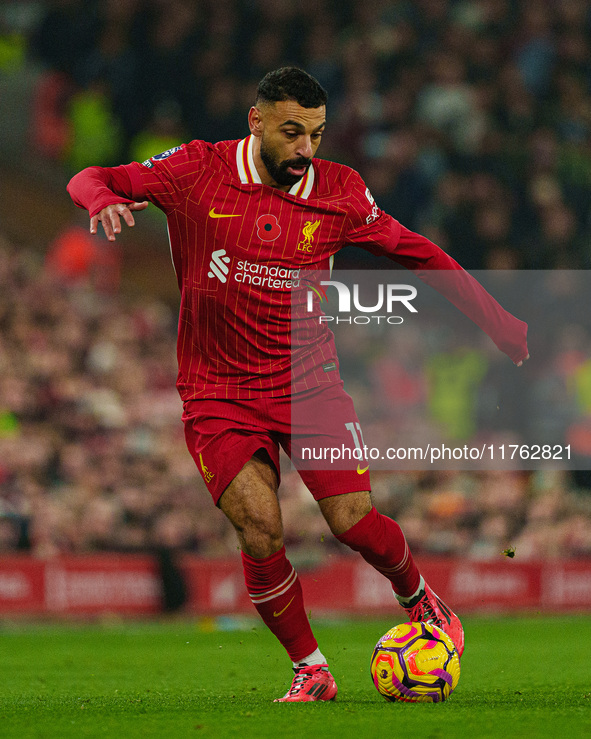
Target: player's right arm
point(107, 194)
point(111, 216)
point(110, 194)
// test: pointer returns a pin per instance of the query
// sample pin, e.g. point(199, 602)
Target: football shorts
point(312, 427)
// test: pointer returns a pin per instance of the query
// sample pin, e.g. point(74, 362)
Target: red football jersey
point(240, 248)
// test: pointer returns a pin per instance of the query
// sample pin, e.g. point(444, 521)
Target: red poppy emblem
point(268, 227)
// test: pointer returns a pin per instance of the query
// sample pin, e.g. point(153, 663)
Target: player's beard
point(278, 169)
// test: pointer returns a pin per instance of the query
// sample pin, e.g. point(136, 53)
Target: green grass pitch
point(521, 677)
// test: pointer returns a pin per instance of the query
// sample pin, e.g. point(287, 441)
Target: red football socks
point(276, 593)
point(381, 543)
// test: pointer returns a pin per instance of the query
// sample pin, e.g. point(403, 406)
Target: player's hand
point(111, 216)
point(519, 364)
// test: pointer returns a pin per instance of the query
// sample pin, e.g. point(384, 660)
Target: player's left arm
point(437, 269)
point(379, 233)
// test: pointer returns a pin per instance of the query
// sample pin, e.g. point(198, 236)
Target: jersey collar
point(248, 172)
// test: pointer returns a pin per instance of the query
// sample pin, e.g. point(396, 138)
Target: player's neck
point(266, 178)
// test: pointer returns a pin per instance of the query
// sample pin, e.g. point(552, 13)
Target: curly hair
point(291, 83)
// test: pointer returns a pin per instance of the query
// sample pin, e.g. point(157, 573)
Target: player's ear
point(255, 121)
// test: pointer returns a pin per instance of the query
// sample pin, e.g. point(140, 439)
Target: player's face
point(289, 138)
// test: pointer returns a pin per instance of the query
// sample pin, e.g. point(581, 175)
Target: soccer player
point(244, 217)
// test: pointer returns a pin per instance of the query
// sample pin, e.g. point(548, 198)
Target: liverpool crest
point(308, 234)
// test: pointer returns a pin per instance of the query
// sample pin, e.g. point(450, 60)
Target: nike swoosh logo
point(361, 472)
point(213, 214)
point(283, 609)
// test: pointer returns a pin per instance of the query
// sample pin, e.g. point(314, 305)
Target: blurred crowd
point(92, 451)
point(470, 121)
point(93, 457)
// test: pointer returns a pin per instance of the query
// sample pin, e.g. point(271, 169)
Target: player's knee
point(260, 536)
point(260, 544)
point(342, 512)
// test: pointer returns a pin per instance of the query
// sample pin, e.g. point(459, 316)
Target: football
point(415, 663)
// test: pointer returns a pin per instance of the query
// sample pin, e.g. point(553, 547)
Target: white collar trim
point(248, 173)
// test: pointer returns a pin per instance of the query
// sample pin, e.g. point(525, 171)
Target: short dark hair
point(291, 83)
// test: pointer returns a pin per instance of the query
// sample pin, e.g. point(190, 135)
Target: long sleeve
point(94, 188)
point(379, 233)
point(164, 180)
point(437, 269)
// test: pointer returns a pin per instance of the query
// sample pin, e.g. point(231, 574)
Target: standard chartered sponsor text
point(433, 453)
point(263, 275)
